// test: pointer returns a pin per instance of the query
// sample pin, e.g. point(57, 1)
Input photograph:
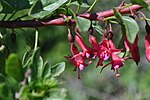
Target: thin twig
point(24, 82)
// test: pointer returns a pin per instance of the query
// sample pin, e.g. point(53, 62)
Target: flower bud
point(70, 37)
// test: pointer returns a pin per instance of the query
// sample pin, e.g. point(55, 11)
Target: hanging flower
point(117, 61)
point(101, 50)
point(147, 41)
point(133, 48)
point(76, 59)
point(86, 50)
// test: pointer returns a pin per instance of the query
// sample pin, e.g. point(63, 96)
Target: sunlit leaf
point(29, 57)
point(54, 6)
point(39, 10)
point(58, 69)
point(40, 67)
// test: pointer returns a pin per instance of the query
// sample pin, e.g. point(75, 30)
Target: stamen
point(90, 62)
point(94, 57)
point(81, 67)
point(116, 69)
point(87, 55)
point(106, 56)
point(79, 74)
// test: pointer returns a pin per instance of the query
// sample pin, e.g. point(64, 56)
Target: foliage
point(31, 56)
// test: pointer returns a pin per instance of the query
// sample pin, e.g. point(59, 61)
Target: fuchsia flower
point(104, 50)
point(76, 59)
point(147, 41)
point(101, 50)
point(147, 46)
point(133, 48)
point(117, 61)
point(86, 50)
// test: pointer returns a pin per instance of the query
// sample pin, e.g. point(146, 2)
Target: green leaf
point(46, 71)
point(129, 26)
point(41, 9)
point(98, 28)
point(83, 24)
point(118, 16)
point(40, 67)
point(5, 93)
point(132, 28)
point(54, 6)
point(7, 8)
point(84, 5)
point(80, 2)
point(58, 69)
point(120, 20)
point(32, 1)
point(1, 7)
point(13, 67)
point(71, 13)
point(36, 10)
point(14, 5)
point(29, 58)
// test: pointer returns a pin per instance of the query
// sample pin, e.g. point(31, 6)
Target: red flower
point(147, 41)
point(86, 50)
point(117, 61)
point(101, 50)
point(133, 48)
point(147, 46)
point(77, 60)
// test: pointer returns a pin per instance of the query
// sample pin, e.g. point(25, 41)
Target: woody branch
point(61, 21)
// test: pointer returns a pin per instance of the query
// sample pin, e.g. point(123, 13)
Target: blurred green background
point(134, 83)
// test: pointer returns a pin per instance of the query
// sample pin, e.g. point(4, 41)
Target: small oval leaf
point(83, 24)
point(132, 28)
point(58, 69)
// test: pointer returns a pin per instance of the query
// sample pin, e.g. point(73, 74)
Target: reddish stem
point(61, 22)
